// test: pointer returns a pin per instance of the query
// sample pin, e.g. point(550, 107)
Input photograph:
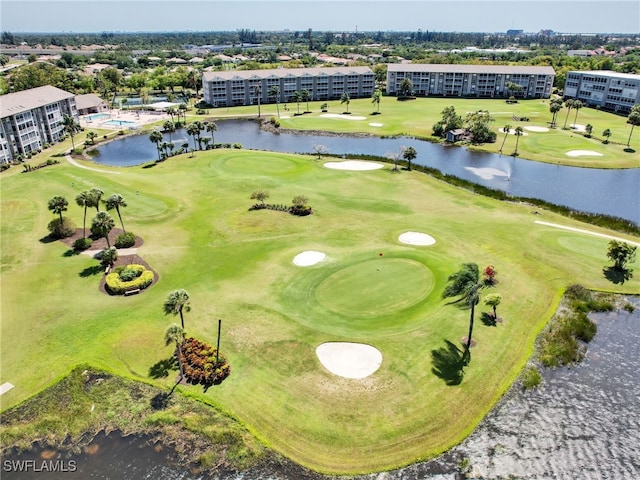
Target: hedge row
point(116, 286)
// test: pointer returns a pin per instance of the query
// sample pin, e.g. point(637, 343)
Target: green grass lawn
point(416, 118)
point(237, 265)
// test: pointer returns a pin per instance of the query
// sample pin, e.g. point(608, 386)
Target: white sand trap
point(416, 238)
point(376, 124)
point(339, 115)
point(487, 173)
point(349, 360)
point(578, 127)
point(512, 131)
point(308, 258)
point(583, 153)
point(5, 387)
point(533, 128)
point(354, 165)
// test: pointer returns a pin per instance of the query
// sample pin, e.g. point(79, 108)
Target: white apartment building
point(613, 91)
point(32, 118)
point(486, 81)
point(244, 87)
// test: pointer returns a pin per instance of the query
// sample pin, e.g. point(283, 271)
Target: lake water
point(609, 192)
point(584, 423)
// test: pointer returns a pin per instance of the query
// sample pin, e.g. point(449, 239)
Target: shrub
point(117, 286)
point(125, 240)
point(130, 272)
point(108, 256)
point(629, 307)
point(82, 243)
point(61, 230)
point(531, 378)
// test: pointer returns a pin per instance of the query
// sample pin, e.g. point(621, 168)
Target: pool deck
point(134, 119)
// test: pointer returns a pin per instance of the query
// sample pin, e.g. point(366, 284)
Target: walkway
point(73, 162)
point(587, 232)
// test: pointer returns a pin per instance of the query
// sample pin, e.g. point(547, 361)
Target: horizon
point(197, 16)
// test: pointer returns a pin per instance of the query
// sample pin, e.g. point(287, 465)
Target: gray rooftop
point(283, 72)
point(19, 102)
point(89, 100)
point(607, 73)
point(458, 68)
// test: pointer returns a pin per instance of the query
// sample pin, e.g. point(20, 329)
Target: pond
point(582, 423)
point(609, 192)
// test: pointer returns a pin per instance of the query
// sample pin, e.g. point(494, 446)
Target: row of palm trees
point(194, 129)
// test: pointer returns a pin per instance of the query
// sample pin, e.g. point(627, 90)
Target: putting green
point(252, 165)
point(375, 287)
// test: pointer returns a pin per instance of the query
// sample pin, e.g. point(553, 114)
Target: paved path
point(587, 232)
point(121, 251)
point(74, 163)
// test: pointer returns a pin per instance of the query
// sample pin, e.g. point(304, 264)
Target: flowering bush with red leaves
point(489, 275)
point(199, 364)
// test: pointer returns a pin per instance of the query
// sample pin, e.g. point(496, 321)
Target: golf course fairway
point(237, 265)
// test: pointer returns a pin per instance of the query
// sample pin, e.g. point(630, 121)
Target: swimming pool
point(119, 123)
point(97, 116)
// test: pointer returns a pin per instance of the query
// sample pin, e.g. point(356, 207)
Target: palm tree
point(91, 137)
point(569, 105)
point(577, 105)
point(409, 155)
point(554, 107)
point(175, 334)
point(176, 302)
point(95, 195)
point(211, 127)
point(518, 133)
point(406, 87)
point(193, 79)
point(297, 97)
point(101, 225)
point(606, 134)
point(116, 201)
point(466, 285)
point(156, 137)
point(58, 204)
point(84, 200)
point(305, 95)
point(376, 96)
point(493, 300)
point(169, 127)
point(193, 130)
point(588, 129)
point(257, 90)
point(345, 98)
point(506, 129)
point(274, 92)
point(633, 120)
point(71, 127)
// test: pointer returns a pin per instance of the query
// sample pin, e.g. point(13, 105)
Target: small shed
point(455, 135)
point(90, 103)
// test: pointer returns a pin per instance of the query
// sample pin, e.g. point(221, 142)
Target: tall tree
point(193, 80)
point(169, 127)
point(84, 200)
point(621, 253)
point(518, 133)
point(211, 127)
point(101, 225)
point(305, 96)
point(116, 202)
point(345, 98)
point(175, 334)
point(506, 129)
point(176, 302)
point(569, 105)
point(577, 105)
point(274, 92)
point(633, 119)
point(376, 96)
point(71, 127)
point(57, 205)
point(156, 137)
point(297, 97)
point(554, 107)
point(409, 155)
point(96, 195)
point(193, 130)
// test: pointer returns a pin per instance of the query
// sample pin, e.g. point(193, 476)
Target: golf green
point(375, 287)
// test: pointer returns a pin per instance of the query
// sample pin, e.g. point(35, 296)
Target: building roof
point(89, 100)
point(607, 73)
point(458, 68)
point(283, 72)
point(19, 102)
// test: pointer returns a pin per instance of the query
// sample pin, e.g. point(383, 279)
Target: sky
point(564, 16)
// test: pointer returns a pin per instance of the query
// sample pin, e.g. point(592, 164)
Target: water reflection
point(610, 192)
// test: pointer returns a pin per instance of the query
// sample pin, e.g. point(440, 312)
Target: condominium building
point(32, 118)
point(471, 80)
point(245, 87)
point(613, 91)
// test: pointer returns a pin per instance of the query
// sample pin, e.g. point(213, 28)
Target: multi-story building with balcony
point(613, 91)
point(245, 87)
point(32, 118)
point(486, 81)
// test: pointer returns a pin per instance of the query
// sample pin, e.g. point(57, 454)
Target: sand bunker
point(346, 117)
point(5, 387)
point(487, 173)
point(354, 165)
point(512, 131)
point(583, 153)
point(375, 124)
point(349, 360)
point(536, 129)
point(416, 238)
point(578, 127)
point(308, 258)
